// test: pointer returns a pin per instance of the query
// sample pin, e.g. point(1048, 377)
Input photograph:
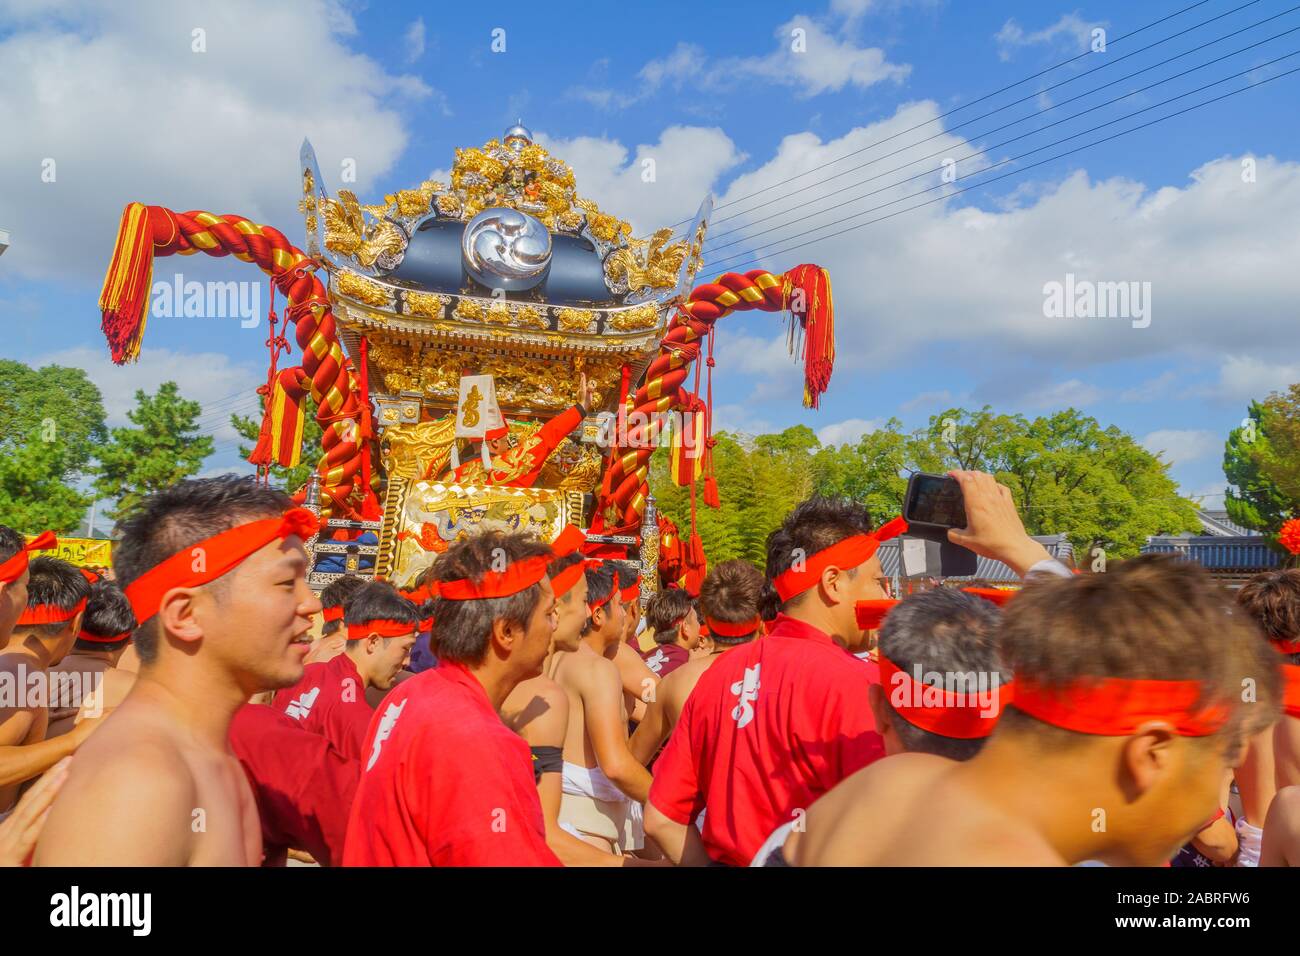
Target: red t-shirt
point(302, 784)
point(445, 782)
point(663, 659)
point(330, 700)
point(770, 727)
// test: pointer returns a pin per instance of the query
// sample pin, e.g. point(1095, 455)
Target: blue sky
point(938, 306)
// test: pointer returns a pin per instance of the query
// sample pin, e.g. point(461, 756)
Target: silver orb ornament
point(506, 249)
point(518, 136)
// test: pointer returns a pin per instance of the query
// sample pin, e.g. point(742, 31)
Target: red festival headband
point(1291, 690)
point(221, 553)
point(13, 568)
point(333, 613)
point(49, 614)
point(1115, 707)
point(872, 613)
point(384, 627)
point(517, 577)
point(104, 638)
point(848, 553)
point(725, 629)
point(963, 716)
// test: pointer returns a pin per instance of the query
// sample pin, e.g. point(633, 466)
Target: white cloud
point(1151, 389)
point(1071, 32)
point(740, 419)
point(221, 386)
point(1072, 393)
point(687, 161)
point(847, 431)
point(1180, 446)
point(1243, 377)
point(807, 57)
point(927, 400)
point(413, 40)
point(115, 95)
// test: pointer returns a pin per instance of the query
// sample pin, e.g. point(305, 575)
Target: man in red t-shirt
point(444, 781)
point(777, 722)
point(302, 784)
point(672, 615)
point(331, 697)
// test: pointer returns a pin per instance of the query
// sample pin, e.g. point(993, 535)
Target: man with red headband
point(1272, 600)
point(444, 781)
point(216, 575)
point(730, 597)
point(45, 632)
point(333, 637)
point(941, 691)
point(777, 722)
point(538, 708)
point(672, 615)
point(330, 700)
point(1126, 711)
point(78, 680)
point(15, 554)
point(640, 682)
point(601, 777)
point(519, 465)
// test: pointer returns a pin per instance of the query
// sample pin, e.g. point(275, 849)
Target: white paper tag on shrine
point(476, 409)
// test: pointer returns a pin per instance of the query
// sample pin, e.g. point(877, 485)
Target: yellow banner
point(83, 552)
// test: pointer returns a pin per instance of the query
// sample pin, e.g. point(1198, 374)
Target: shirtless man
point(331, 697)
point(1272, 761)
point(600, 774)
point(729, 599)
point(78, 679)
point(1126, 712)
point(1282, 830)
point(43, 635)
point(538, 710)
point(14, 559)
point(639, 680)
point(941, 632)
point(216, 574)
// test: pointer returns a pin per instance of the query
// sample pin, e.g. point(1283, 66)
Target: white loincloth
point(1249, 841)
point(778, 838)
point(591, 805)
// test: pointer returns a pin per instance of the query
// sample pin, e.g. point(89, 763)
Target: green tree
point(51, 423)
point(163, 448)
point(291, 479)
point(1252, 499)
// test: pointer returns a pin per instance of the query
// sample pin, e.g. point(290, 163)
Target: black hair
point(379, 600)
point(169, 521)
point(814, 525)
point(950, 632)
point(627, 572)
point(665, 610)
point(11, 542)
point(601, 581)
point(337, 594)
point(108, 613)
point(462, 630)
point(57, 583)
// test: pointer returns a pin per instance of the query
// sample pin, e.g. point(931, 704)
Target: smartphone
point(934, 501)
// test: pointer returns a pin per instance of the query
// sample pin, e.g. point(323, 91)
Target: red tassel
point(124, 299)
point(812, 284)
point(711, 492)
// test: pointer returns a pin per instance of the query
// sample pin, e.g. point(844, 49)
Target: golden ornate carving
point(346, 231)
point(575, 320)
point(362, 289)
point(633, 320)
point(429, 304)
point(410, 451)
point(645, 264)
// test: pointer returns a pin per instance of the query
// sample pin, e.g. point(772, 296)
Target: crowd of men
point(517, 708)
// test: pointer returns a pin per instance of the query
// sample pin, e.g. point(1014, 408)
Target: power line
point(996, 146)
point(1015, 172)
point(1002, 90)
point(986, 149)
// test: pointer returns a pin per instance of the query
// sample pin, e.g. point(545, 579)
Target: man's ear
point(505, 635)
point(374, 643)
point(176, 614)
point(832, 583)
point(1146, 756)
